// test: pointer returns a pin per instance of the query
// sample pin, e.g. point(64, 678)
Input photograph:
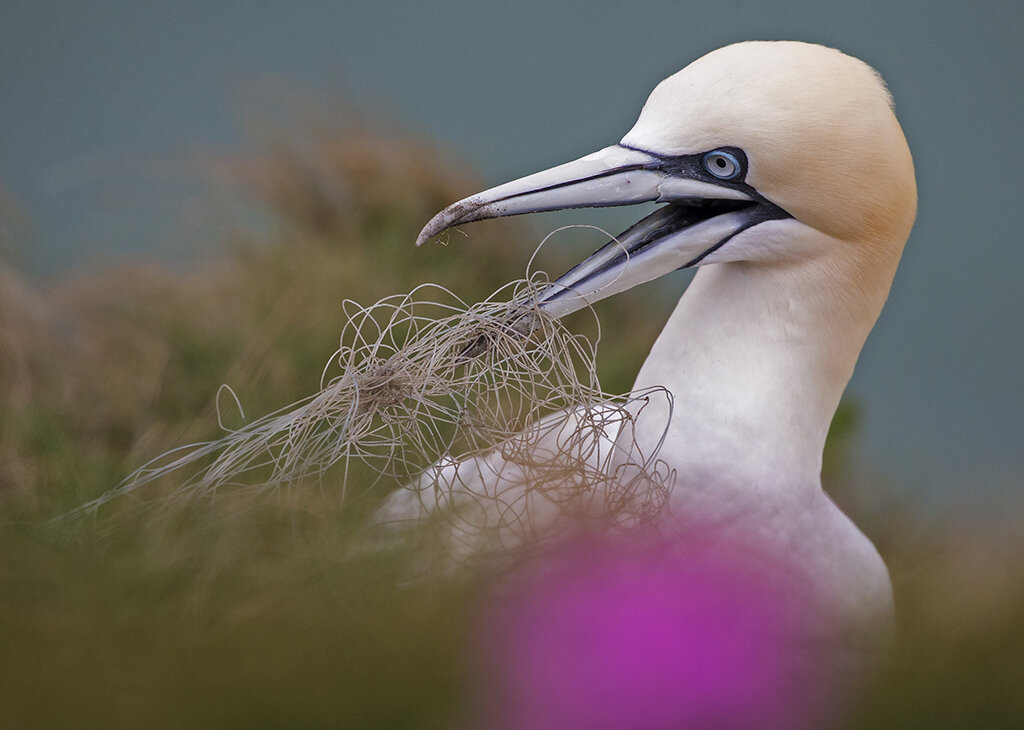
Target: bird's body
point(788, 181)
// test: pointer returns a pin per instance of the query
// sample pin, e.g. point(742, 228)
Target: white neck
point(757, 356)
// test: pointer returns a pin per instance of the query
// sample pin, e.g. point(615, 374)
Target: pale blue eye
point(722, 164)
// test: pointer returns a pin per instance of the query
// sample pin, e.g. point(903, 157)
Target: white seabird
point(787, 179)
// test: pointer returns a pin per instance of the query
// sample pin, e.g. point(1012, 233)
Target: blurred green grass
point(265, 612)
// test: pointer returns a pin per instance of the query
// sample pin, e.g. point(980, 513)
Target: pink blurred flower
point(616, 634)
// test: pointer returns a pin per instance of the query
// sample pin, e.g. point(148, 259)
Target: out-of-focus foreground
point(265, 612)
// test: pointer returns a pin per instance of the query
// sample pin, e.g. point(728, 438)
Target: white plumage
point(787, 179)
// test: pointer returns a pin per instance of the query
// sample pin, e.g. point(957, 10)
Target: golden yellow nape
point(817, 124)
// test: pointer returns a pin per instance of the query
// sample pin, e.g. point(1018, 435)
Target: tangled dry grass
point(430, 393)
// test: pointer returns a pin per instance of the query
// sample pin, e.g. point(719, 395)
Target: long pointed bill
point(613, 176)
point(702, 215)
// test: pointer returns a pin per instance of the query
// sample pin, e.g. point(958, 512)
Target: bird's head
point(762, 151)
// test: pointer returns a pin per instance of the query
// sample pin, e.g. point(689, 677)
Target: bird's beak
point(701, 216)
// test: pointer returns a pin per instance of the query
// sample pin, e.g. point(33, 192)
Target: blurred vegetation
point(265, 613)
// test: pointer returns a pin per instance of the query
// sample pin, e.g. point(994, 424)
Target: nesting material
point(490, 416)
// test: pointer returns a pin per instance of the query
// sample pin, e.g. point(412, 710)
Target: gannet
point(786, 178)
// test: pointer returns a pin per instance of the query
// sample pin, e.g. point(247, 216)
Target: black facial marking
point(692, 166)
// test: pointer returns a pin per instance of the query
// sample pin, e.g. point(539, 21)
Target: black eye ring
point(723, 165)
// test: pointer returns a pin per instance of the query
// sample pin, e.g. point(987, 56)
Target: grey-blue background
point(100, 100)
